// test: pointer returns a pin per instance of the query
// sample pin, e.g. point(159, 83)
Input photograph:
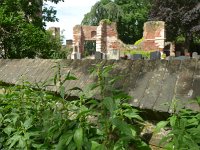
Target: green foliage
point(130, 25)
point(180, 39)
point(130, 16)
point(138, 42)
point(185, 130)
point(104, 9)
point(120, 124)
point(145, 54)
point(89, 48)
point(22, 30)
point(107, 21)
point(181, 17)
point(36, 119)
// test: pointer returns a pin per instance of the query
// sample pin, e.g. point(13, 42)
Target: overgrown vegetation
point(181, 17)
point(32, 118)
point(182, 20)
point(22, 30)
point(145, 54)
point(35, 119)
point(130, 16)
point(184, 130)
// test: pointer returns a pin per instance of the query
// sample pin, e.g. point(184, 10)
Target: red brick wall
point(106, 37)
point(87, 32)
point(154, 35)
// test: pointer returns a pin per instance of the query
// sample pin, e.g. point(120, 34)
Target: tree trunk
point(188, 42)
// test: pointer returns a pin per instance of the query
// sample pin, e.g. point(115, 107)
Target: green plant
point(36, 119)
point(118, 122)
point(144, 53)
point(32, 118)
point(138, 42)
point(107, 21)
point(185, 130)
point(22, 30)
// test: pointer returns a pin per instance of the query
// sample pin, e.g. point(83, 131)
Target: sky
point(70, 13)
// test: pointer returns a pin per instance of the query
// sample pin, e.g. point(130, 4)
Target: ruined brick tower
point(105, 35)
point(154, 35)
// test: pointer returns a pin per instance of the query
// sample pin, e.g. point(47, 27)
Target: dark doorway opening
point(89, 48)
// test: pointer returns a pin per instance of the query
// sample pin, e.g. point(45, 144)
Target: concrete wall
point(152, 84)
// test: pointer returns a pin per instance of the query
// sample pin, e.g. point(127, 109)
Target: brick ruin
point(105, 35)
point(69, 44)
point(107, 42)
point(154, 36)
point(55, 31)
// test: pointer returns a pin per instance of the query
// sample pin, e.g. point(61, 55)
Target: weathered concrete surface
point(153, 84)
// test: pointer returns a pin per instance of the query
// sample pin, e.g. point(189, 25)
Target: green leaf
point(109, 104)
point(64, 140)
point(69, 77)
point(166, 139)
point(62, 92)
point(38, 146)
point(75, 89)
point(97, 146)
point(124, 127)
point(55, 79)
point(13, 140)
point(69, 139)
point(13, 117)
point(193, 122)
point(119, 145)
point(173, 120)
point(21, 143)
point(106, 70)
point(93, 86)
point(78, 138)
point(160, 125)
point(28, 123)
point(141, 145)
point(1, 119)
point(132, 115)
point(83, 113)
point(71, 146)
point(8, 130)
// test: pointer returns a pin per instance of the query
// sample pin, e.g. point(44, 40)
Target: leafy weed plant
point(185, 130)
point(36, 119)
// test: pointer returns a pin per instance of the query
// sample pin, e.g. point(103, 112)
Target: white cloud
point(70, 13)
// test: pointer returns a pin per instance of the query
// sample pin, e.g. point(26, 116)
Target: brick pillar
point(101, 39)
point(55, 31)
point(154, 35)
point(107, 41)
point(113, 43)
point(98, 39)
point(78, 42)
point(172, 49)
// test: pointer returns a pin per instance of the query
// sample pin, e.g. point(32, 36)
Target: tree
point(130, 25)
point(182, 19)
point(22, 29)
point(130, 16)
point(103, 9)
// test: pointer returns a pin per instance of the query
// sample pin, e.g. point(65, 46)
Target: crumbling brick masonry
point(106, 38)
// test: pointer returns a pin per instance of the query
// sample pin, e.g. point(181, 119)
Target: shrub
point(36, 119)
point(185, 130)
